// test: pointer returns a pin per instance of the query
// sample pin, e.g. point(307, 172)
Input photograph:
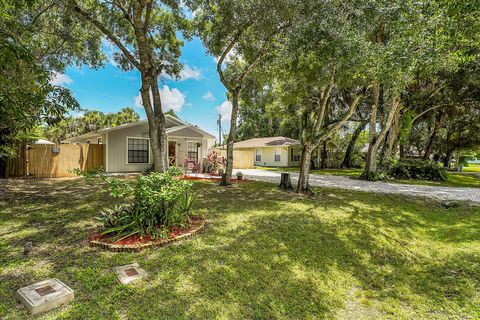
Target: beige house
point(127, 147)
point(274, 152)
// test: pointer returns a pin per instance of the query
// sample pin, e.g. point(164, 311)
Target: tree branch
point(334, 127)
point(107, 33)
point(34, 20)
point(224, 55)
point(260, 55)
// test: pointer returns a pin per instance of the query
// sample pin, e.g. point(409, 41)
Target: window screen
point(192, 150)
point(258, 155)
point(277, 155)
point(137, 150)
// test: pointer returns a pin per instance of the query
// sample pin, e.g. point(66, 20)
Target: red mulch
point(136, 239)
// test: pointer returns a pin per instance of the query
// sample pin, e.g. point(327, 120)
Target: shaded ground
point(469, 178)
point(337, 181)
point(266, 254)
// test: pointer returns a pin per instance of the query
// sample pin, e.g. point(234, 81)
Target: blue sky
point(197, 98)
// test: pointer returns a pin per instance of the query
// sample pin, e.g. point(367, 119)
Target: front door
point(172, 154)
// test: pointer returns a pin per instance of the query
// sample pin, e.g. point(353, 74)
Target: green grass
point(462, 180)
point(472, 168)
point(266, 254)
point(355, 172)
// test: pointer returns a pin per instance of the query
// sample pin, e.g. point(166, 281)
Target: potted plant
point(239, 175)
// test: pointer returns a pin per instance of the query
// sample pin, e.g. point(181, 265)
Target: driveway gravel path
point(433, 192)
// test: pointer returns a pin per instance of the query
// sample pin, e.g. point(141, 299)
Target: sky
point(198, 97)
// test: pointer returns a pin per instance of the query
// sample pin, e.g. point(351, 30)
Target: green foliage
point(119, 188)
point(91, 120)
point(373, 176)
point(90, 173)
point(175, 171)
point(419, 170)
point(160, 201)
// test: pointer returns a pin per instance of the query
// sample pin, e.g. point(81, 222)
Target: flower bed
point(136, 243)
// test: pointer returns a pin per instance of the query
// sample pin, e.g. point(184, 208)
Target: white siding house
point(127, 147)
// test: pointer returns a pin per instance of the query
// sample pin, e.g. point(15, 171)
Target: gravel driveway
point(434, 192)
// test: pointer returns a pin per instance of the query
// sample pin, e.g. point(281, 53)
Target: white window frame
point(126, 150)
point(275, 154)
point(258, 152)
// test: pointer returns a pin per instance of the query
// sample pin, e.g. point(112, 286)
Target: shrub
point(159, 201)
point(418, 169)
point(373, 176)
point(89, 173)
point(213, 162)
point(175, 171)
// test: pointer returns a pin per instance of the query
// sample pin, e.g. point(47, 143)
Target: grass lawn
point(355, 172)
point(472, 168)
point(266, 254)
point(463, 180)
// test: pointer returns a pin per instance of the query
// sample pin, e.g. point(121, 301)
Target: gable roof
point(180, 125)
point(266, 142)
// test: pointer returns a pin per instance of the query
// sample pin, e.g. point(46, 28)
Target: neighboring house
point(127, 147)
point(43, 141)
point(275, 151)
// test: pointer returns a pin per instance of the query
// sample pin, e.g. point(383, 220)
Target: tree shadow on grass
point(267, 254)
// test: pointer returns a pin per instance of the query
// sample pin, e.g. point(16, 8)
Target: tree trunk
point(447, 159)
point(433, 136)
point(303, 185)
point(161, 123)
point(227, 176)
point(371, 161)
point(390, 143)
point(347, 159)
point(376, 141)
point(152, 125)
point(324, 155)
point(285, 181)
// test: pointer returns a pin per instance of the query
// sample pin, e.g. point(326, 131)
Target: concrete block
point(129, 273)
point(44, 296)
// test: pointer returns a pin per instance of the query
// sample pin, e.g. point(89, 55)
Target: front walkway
point(317, 180)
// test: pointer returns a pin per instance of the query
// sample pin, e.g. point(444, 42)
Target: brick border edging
point(141, 246)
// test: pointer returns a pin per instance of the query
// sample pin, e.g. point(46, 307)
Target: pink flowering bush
point(213, 163)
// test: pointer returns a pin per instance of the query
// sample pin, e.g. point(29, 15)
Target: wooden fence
point(242, 159)
point(52, 161)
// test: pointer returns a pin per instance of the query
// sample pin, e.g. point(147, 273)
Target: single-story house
point(127, 147)
point(275, 151)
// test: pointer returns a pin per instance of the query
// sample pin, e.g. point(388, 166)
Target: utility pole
point(219, 122)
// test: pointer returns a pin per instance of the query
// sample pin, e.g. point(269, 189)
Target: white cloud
point(60, 79)
point(225, 110)
point(186, 73)
point(190, 73)
point(172, 99)
point(208, 96)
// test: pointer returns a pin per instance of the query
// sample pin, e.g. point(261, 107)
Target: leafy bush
point(213, 162)
point(373, 176)
point(418, 169)
point(89, 173)
point(159, 201)
point(175, 171)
